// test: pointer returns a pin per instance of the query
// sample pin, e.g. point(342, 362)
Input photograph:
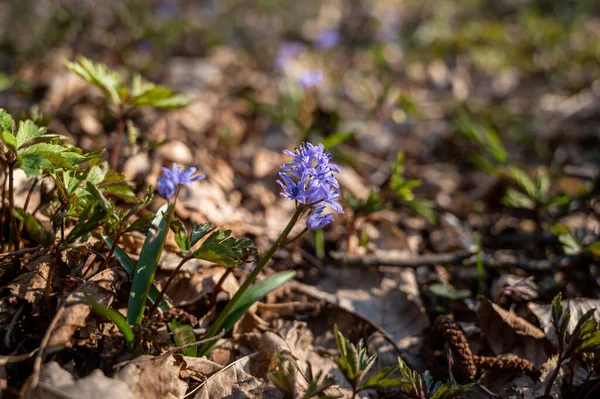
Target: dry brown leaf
point(30, 286)
point(103, 287)
point(233, 381)
point(506, 332)
point(577, 306)
point(391, 304)
point(188, 288)
point(154, 377)
point(57, 383)
point(196, 367)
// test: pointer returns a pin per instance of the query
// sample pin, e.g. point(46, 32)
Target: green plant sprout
point(124, 98)
point(583, 339)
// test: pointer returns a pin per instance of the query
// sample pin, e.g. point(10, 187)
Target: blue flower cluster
point(171, 178)
point(310, 79)
point(310, 181)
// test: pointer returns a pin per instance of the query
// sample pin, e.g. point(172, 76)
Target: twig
point(164, 288)
point(197, 343)
point(37, 365)
point(459, 258)
point(11, 325)
point(395, 259)
point(217, 289)
point(20, 252)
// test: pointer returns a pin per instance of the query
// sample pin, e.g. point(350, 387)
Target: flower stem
point(218, 286)
point(216, 326)
point(114, 155)
point(161, 295)
point(553, 376)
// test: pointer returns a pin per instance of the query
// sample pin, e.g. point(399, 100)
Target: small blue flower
point(288, 51)
point(171, 178)
point(309, 179)
point(310, 79)
point(317, 220)
point(328, 39)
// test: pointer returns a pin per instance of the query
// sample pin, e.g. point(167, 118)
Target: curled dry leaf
point(58, 383)
point(506, 332)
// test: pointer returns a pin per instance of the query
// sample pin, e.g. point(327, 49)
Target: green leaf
point(115, 317)
point(181, 237)
point(336, 138)
point(199, 231)
point(447, 391)
point(33, 164)
point(381, 379)
point(59, 155)
point(254, 294)
point(525, 182)
point(147, 264)
point(99, 75)
point(485, 136)
point(590, 343)
point(593, 249)
point(224, 250)
point(184, 335)
point(6, 122)
point(34, 228)
point(557, 311)
point(9, 140)
point(516, 199)
point(129, 265)
point(27, 132)
point(91, 218)
point(160, 97)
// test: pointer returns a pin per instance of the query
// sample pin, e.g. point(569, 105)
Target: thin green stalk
point(11, 206)
point(164, 288)
point(27, 200)
point(216, 327)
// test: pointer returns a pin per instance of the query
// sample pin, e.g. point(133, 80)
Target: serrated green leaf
point(381, 379)
point(91, 218)
point(590, 343)
point(27, 132)
point(58, 155)
point(224, 250)
point(33, 164)
point(199, 231)
point(525, 182)
point(147, 264)
point(6, 121)
point(160, 97)
point(447, 391)
point(100, 76)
